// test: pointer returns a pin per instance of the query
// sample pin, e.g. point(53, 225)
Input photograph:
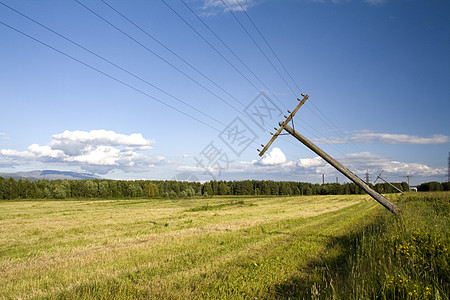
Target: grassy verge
point(405, 257)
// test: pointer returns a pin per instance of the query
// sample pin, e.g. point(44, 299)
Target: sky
point(190, 89)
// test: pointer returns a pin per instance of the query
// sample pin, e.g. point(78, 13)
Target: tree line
point(434, 186)
point(11, 188)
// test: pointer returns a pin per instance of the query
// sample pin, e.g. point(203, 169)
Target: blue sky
point(377, 73)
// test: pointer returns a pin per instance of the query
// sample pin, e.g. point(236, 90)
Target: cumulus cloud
point(275, 157)
point(369, 137)
point(310, 162)
point(97, 151)
point(77, 142)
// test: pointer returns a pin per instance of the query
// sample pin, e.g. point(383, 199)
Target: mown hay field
point(222, 247)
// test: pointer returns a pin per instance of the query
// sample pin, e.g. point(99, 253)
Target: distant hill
point(49, 174)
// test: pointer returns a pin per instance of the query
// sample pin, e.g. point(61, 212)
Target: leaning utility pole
point(379, 177)
point(284, 125)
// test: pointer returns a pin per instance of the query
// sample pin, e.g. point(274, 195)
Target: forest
point(11, 188)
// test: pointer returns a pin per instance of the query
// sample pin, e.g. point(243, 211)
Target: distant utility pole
point(323, 178)
point(337, 179)
point(409, 186)
point(379, 177)
point(284, 125)
point(448, 175)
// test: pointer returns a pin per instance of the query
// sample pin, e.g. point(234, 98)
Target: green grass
point(405, 257)
point(216, 248)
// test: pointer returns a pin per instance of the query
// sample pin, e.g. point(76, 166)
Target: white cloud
point(359, 162)
point(311, 162)
point(213, 7)
point(45, 151)
point(98, 151)
point(75, 142)
point(15, 153)
point(369, 137)
point(275, 157)
point(98, 155)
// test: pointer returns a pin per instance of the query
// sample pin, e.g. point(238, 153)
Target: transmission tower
point(367, 176)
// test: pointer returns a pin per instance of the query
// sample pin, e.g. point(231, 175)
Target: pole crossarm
point(279, 130)
point(379, 176)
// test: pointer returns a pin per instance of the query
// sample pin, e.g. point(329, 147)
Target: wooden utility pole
point(284, 125)
point(379, 176)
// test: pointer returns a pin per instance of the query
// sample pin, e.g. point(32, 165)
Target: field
point(222, 247)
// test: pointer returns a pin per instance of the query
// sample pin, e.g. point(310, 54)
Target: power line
point(107, 75)
point(317, 134)
point(267, 58)
point(165, 59)
point(160, 57)
point(125, 70)
point(139, 43)
point(167, 48)
point(112, 63)
point(264, 54)
point(335, 129)
point(229, 49)
point(104, 73)
point(206, 41)
point(236, 56)
point(287, 72)
point(268, 45)
point(171, 51)
point(226, 46)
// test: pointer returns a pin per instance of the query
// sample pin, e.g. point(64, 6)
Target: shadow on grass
point(332, 268)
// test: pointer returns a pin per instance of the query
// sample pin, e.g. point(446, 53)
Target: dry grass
point(198, 248)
